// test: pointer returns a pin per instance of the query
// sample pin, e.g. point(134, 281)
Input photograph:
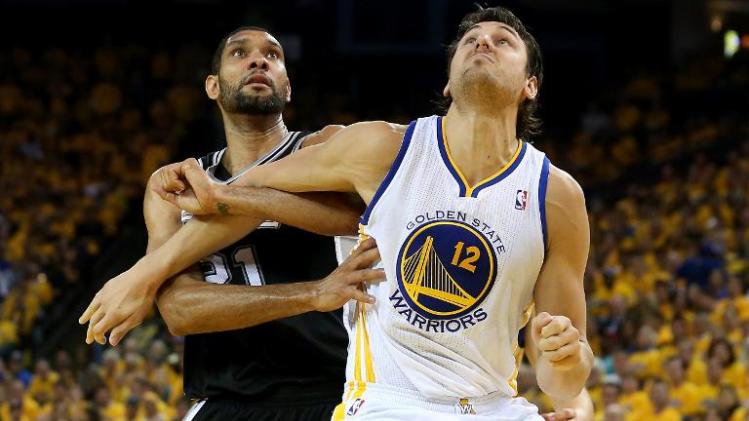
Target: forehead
point(492, 26)
point(253, 37)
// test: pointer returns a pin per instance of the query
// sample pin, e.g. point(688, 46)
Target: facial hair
point(484, 89)
point(234, 100)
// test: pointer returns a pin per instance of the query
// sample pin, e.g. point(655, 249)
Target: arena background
point(644, 102)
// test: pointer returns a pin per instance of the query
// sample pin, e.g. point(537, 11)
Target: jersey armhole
point(391, 173)
point(542, 186)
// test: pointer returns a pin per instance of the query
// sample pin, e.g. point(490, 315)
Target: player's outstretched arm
point(579, 408)
point(355, 160)
point(119, 299)
point(325, 213)
point(346, 162)
point(564, 358)
point(191, 306)
point(122, 303)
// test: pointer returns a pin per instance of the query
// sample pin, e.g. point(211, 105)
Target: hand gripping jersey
point(461, 264)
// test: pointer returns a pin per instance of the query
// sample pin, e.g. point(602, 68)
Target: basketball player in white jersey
point(473, 224)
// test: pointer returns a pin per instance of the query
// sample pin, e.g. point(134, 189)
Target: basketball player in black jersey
point(254, 350)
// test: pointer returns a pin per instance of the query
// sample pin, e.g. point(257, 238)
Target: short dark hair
point(527, 124)
point(216, 62)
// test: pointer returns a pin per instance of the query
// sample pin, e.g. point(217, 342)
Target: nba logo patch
point(521, 199)
point(354, 408)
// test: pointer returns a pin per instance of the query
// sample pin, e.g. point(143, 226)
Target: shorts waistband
point(481, 404)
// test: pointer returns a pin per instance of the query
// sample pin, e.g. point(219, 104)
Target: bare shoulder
point(563, 189)
point(378, 131)
point(375, 132)
point(322, 135)
point(566, 214)
point(375, 142)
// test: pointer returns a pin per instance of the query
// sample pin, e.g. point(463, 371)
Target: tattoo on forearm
point(223, 208)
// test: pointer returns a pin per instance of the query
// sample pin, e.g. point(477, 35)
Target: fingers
point(90, 329)
point(172, 178)
point(106, 324)
point(369, 275)
point(192, 171)
point(122, 329)
point(557, 341)
point(365, 245)
point(170, 197)
point(556, 326)
point(540, 321)
point(362, 296)
point(565, 351)
point(189, 163)
point(92, 307)
point(365, 259)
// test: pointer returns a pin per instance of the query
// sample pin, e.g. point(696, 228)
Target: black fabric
point(292, 359)
point(227, 410)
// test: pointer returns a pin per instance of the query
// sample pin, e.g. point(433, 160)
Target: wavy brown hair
point(528, 124)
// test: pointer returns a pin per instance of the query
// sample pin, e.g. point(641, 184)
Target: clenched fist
point(557, 340)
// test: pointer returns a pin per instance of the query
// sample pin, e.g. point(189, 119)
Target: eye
point(272, 54)
point(237, 52)
point(470, 40)
point(503, 41)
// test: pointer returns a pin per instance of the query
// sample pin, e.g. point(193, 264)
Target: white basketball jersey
point(461, 264)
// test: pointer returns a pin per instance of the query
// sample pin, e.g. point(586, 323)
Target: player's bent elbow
point(173, 315)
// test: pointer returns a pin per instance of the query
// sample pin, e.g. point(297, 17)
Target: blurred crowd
point(668, 273)
point(667, 276)
point(81, 133)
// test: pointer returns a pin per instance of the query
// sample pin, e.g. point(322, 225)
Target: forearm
point(564, 382)
point(198, 238)
point(321, 213)
point(191, 306)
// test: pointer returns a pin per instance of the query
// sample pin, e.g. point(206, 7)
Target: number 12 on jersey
point(219, 269)
point(472, 255)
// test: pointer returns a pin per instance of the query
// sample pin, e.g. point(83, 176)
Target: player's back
point(288, 360)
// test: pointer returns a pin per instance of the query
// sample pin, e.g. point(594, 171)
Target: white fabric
point(380, 403)
point(463, 344)
point(193, 412)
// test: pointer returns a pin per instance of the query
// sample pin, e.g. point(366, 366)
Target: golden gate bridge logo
point(446, 268)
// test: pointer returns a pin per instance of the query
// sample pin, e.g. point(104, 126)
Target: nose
point(258, 61)
point(483, 43)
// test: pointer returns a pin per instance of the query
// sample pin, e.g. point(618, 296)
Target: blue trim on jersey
point(542, 199)
point(505, 173)
point(391, 173)
point(446, 159)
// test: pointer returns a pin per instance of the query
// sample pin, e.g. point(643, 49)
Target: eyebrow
point(242, 40)
point(501, 25)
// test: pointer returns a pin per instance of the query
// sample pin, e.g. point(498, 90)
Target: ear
point(531, 88)
point(446, 90)
point(288, 91)
point(212, 88)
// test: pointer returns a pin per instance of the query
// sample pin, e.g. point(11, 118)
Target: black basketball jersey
point(297, 359)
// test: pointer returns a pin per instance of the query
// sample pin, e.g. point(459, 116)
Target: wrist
point(150, 271)
point(311, 295)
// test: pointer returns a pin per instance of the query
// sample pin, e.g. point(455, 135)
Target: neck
point(248, 137)
point(481, 142)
